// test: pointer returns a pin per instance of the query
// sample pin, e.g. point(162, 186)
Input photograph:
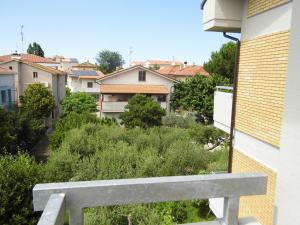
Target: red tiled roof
point(155, 61)
point(6, 71)
point(187, 71)
point(26, 57)
point(133, 89)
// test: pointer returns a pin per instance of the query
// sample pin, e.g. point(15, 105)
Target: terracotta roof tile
point(133, 89)
point(155, 61)
point(187, 71)
point(27, 57)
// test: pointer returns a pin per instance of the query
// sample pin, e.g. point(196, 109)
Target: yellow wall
point(260, 207)
point(258, 6)
point(261, 86)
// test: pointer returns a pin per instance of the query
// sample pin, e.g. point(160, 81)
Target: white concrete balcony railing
point(222, 16)
point(222, 108)
point(163, 105)
point(108, 106)
point(55, 198)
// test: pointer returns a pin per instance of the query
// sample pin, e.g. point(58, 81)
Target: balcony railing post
point(76, 216)
point(231, 210)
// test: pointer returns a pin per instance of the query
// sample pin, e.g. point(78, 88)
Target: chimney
point(15, 55)
point(185, 64)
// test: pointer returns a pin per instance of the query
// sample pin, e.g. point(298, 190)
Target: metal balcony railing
point(55, 198)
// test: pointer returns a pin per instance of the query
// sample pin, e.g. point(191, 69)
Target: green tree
point(18, 175)
point(142, 111)
point(7, 131)
point(222, 62)
point(37, 101)
point(109, 61)
point(79, 102)
point(35, 49)
point(197, 94)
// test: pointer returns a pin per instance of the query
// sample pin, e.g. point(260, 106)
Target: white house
point(118, 87)
point(27, 73)
point(85, 81)
point(7, 88)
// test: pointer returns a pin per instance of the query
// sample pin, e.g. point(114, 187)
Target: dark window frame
point(142, 75)
point(89, 85)
point(35, 74)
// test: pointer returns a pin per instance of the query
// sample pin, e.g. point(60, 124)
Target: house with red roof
point(181, 73)
point(118, 87)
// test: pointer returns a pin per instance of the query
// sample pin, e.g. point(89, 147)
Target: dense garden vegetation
point(86, 148)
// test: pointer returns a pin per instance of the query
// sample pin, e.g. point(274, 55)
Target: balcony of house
point(220, 15)
point(55, 199)
point(114, 98)
point(223, 107)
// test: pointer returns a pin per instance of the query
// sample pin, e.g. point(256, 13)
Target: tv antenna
point(22, 38)
point(130, 55)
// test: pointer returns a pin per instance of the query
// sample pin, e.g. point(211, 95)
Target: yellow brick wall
point(260, 207)
point(258, 6)
point(261, 86)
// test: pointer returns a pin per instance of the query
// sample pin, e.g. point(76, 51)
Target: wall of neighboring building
point(132, 77)
point(264, 59)
point(80, 85)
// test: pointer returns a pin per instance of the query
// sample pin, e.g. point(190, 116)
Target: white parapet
point(223, 108)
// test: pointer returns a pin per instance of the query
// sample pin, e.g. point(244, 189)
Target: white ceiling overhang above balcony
point(223, 15)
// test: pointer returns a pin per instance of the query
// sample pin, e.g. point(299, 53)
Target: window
point(3, 96)
point(9, 95)
point(161, 98)
point(35, 74)
point(142, 75)
point(90, 84)
point(10, 67)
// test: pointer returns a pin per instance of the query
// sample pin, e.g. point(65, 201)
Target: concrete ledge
point(242, 221)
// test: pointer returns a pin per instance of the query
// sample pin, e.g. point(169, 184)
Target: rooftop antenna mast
point(22, 38)
point(130, 55)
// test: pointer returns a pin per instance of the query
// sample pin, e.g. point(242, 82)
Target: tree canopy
point(197, 94)
point(222, 62)
point(109, 61)
point(37, 101)
point(79, 102)
point(142, 111)
point(35, 49)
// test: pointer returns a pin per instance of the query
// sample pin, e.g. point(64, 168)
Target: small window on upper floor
point(35, 74)
point(142, 75)
point(10, 67)
point(90, 84)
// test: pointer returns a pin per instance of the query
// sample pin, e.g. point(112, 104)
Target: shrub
point(142, 111)
point(18, 174)
point(173, 120)
point(79, 102)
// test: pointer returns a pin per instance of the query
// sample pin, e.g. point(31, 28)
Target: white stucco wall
point(80, 85)
point(288, 177)
point(132, 77)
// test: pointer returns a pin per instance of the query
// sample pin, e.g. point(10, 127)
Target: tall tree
point(109, 61)
point(37, 101)
point(35, 49)
point(197, 94)
point(222, 62)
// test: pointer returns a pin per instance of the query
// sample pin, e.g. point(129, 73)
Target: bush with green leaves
point(142, 111)
point(94, 151)
point(37, 101)
point(79, 102)
point(174, 120)
point(18, 175)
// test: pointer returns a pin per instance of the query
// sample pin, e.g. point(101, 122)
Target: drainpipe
point(234, 96)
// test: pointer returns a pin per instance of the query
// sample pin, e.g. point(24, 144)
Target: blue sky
point(155, 29)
